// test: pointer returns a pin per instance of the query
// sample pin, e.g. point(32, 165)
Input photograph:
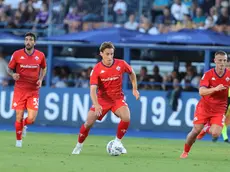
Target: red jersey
point(215, 103)
point(28, 67)
point(109, 79)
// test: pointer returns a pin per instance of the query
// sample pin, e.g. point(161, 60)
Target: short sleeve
point(127, 68)
point(94, 77)
point(12, 64)
point(43, 62)
point(204, 82)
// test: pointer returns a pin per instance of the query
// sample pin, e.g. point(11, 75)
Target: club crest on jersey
point(118, 68)
point(36, 58)
point(227, 79)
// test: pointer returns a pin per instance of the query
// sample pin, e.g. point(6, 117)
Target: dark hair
point(221, 53)
point(31, 34)
point(105, 45)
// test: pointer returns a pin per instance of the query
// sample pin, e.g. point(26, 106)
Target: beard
point(29, 48)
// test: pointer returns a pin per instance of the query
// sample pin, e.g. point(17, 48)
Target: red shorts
point(217, 119)
point(25, 99)
point(109, 105)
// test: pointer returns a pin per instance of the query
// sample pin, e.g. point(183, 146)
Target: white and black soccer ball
point(113, 148)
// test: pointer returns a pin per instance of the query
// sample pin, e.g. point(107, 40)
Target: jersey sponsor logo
point(213, 78)
point(22, 57)
point(118, 68)
point(36, 58)
point(110, 78)
point(29, 66)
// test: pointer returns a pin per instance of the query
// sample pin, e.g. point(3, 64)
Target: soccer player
point(106, 94)
point(28, 68)
point(226, 123)
point(213, 103)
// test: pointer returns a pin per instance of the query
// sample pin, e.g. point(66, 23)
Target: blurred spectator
point(120, 9)
point(174, 94)
point(178, 9)
point(167, 20)
point(223, 21)
point(142, 78)
point(144, 24)
point(29, 14)
point(199, 20)
point(73, 20)
point(188, 80)
point(131, 24)
point(156, 78)
point(158, 7)
point(41, 21)
point(207, 5)
point(82, 80)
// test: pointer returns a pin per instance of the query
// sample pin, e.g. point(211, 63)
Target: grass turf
point(44, 152)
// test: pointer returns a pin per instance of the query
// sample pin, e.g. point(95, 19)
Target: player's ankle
point(117, 139)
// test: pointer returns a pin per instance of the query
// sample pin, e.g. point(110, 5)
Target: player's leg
point(32, 105)
point(19, 127)
point(85, 128)
point(217, 123)
point(84, 131)
point(124, 114)
point(204, 131)
point(19, 105)
point(191, 138)
point(121, 110)
point(30, 119)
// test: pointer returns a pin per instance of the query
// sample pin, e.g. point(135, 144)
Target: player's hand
point(16, 76)
point(136, 94)
point(39, 83)
point(220, 87)
point(98, 110)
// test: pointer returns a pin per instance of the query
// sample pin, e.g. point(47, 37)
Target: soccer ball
point(113, 149)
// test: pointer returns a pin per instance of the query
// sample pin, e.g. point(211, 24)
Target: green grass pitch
point(44, 152)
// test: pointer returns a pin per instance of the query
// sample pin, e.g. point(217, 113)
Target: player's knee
point(215, 134)
point(125, 118)
point(88, 125)
point(19, 118)
point(30, 120)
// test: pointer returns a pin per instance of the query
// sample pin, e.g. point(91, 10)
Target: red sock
point(18, 130)
point(187, 147)
point(83, 134)
point(27, 122)
point(122, 128)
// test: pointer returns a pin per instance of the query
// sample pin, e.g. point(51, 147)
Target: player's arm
point(133, 79)
point(42, 73)
point(93, 95)
point(205, 89)
point(15, 76)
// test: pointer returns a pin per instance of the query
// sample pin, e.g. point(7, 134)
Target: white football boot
point(118, 141)
point(18, 143)
point(77, 149)
point(24, 131)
